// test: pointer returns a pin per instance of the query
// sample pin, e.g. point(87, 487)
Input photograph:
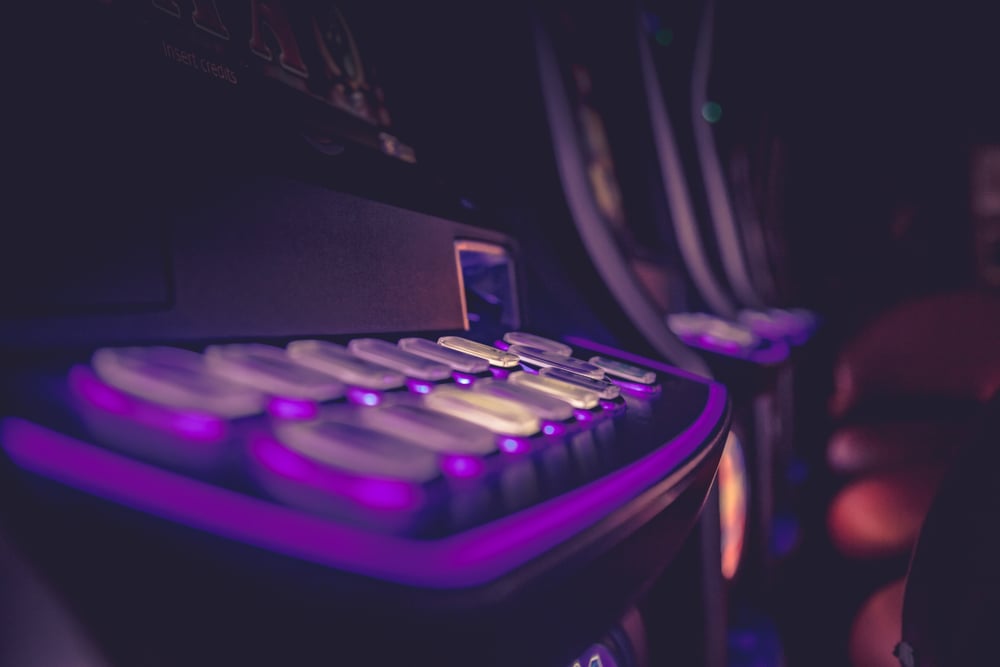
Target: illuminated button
point(270, 370)
point(543, 405)
point(430, 430)
point(459, 361)
point(385, 353)
point(337, 360)
point(491, 354)
point(176, 378)
point(575, 395)
point(497, 414)
point(603, 388)
point(538, 357)
point(356, 449)
point(531, 340)
point(624, 371)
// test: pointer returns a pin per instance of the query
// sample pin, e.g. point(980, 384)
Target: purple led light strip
point(470, 558)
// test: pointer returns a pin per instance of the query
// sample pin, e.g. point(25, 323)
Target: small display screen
point(489, 285)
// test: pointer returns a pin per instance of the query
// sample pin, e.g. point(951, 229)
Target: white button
point(603, 388)
point(431, 430)
point(176, 378)
point(495, 356)
point(531, 340)
point(338, 442)
point(459, 361)
point(576, 396)
point(624, 371)
point(270, 370)
point(337, 360)
point(543, 405)
point(385, 353)
point(497, 414)
point(538, 357)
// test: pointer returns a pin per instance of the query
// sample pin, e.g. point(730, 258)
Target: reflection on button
point(385, 353)
point(545, 406)
point(429, 429)
point(270, 370)
point(497, 414)
point(176, 378)
point(576, 396)
point(337, 360)
point(339, 443)
point(603, 388)
point(538, 357)
point(459, 361)
point(491, 354)
point(531, 340)
point(624, 371)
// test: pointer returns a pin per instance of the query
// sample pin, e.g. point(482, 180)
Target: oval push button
point(494, 356)
point(176, 378)
point(459, 361)
point(359, 450)
point(603, 388)
point(620, 369)
point(497, 414)
point(531, 340)
point(431, 430)
point(545, 406)
point(385, 353)
point(542, 358)
point(578, 397)
point(337, 360)
point(270, 370)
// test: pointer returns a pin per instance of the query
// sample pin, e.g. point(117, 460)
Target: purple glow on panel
point(583, 415)
point(714, 344)
point(292, 408)
point(417, 386)
point(385, 494)
point(366, 397)
point(501, 345)
point(196, 426)
point(462, 466)
point(553, 428)
point(500, 373)
point(774, 353)
point(608, 405)
point(87, 386)
point(529, 369)
point(464, 379)
point(637, 388)
point(471, 558)
point(512, 445)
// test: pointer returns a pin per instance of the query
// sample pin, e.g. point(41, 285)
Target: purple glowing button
point(464, 379)
point(419, 386)
point(365, 397)
point(512, 445)
point(292, 408)
point(374, 492)
point(187, 424)
point(553, 428)
point(462, 466)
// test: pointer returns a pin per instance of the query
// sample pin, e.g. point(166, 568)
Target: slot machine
point(275, 394)
point(640, 228)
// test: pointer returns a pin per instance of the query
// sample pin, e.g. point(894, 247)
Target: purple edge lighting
point(471, 558)
point(292, 408)
point(187, 424)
